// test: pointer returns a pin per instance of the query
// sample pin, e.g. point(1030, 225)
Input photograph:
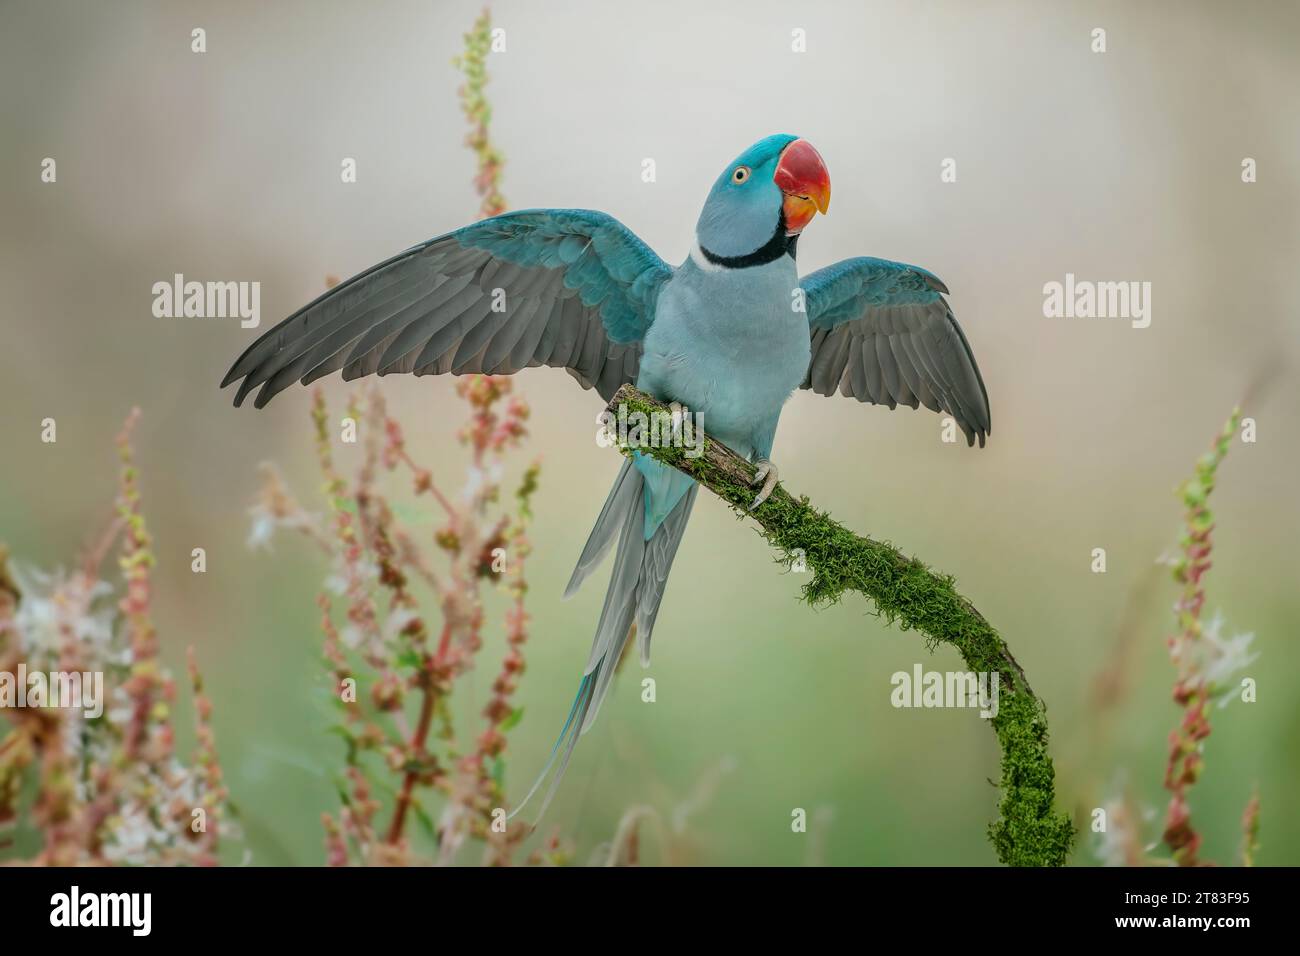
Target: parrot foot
point(766, 475)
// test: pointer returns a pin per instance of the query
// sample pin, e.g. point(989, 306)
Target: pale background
point(1122, 166)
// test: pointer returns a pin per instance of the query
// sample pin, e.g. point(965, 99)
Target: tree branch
point(1029, 831)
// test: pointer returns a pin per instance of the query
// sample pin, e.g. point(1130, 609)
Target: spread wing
point(570, 288)
point(882, 332)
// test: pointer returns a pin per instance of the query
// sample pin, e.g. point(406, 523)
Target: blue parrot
point(728, 335)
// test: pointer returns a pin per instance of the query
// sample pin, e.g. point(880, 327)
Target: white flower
point(1223, 657)
point(266, 522)
point(397, 620)
point(474, 478)
point(55, 605)
point(261, 530)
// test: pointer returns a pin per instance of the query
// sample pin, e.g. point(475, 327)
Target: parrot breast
point(729, 344)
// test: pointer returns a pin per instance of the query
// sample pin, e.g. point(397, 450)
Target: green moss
point(1029, 831)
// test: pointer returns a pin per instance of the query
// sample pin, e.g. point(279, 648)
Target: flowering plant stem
point(1194, 690)
point(478, 111)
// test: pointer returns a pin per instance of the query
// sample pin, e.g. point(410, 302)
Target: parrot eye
point(740, 175)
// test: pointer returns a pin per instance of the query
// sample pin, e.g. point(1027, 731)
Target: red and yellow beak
point(802, 175)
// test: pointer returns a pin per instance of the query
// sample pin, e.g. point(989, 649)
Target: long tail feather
point(636, 588)
point(658, 561)
point(564, 732)
point(627, 487)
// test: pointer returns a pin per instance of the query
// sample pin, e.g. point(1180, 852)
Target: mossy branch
point(1029, 831)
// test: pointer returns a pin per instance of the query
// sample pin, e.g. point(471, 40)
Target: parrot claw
point(766, 475)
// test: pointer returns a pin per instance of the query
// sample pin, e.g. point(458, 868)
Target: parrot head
point(762, 201)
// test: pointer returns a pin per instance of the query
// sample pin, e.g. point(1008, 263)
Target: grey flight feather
point(883, 333)
point(568, 288)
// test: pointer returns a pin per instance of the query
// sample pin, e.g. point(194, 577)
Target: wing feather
point(579, 291)
point(882, 332)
